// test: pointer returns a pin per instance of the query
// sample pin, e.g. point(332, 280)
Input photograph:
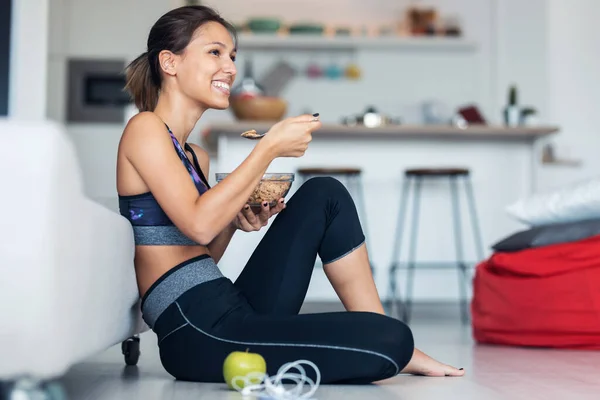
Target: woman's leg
point(347, 347)
point(320, 218)
point(352, 280)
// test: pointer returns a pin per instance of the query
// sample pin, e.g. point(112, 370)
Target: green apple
point(241, 363)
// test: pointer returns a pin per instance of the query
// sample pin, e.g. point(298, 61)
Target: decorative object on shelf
point(333, 71)
point(511, 111)
point(248, 87)
point(528, 117)
point(436, 112)
point(472, 115)
point(313, 70)
point(466, 116)
point(264, 25)
point(549, 157)
point(258, 108)
point(426, 21)
point(370, 119)
point(422, 21)
point(306, 29)
point(277, 78)
point(353, 71)
point(516, 115)
point(343, 31)
point(451, 26)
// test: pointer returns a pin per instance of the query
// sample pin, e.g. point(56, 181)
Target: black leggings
point(259, 311)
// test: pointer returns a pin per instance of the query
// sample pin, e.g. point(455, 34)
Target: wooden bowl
point(260, 108)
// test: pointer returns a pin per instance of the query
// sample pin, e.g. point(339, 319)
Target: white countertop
point(475, 132)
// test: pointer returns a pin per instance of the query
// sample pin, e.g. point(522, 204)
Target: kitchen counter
point(481, 132)
point(503, 164)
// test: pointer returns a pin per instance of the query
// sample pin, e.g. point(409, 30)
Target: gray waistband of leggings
point(176, 282)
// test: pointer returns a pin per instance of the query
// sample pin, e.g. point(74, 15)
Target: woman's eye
point(233, 58)
point(215, 52)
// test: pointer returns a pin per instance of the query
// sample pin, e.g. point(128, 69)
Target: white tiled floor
point(492, 372)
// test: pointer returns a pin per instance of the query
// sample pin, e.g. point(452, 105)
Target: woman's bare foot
point(422, 364)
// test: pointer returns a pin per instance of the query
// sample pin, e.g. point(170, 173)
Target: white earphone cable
point(273, 386)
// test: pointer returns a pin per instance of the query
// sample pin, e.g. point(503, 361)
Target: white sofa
point(67, 286)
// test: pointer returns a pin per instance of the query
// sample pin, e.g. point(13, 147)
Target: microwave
point(96, 92)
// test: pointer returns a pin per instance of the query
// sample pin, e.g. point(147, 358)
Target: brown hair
point(173, 31)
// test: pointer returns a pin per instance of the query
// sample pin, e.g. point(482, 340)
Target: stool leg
point(462, 270)
point(303, 179)
point(397, 243)
point(412, 250)
point(474, 218)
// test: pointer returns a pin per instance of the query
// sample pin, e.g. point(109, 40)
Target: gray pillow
point(545, 235)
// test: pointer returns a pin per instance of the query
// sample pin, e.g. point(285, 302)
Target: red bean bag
point(542, 297)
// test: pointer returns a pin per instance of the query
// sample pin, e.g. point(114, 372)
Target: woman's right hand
point(290, 137)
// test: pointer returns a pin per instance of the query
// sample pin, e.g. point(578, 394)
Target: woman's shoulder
point(144, 127)
point(144, 133)
point(145, 122)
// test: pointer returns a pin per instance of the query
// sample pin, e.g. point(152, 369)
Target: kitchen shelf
point(474, 132)
point(264, 41)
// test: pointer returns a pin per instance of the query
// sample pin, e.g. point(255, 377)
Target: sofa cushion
point(578, 201)
point(546, 235)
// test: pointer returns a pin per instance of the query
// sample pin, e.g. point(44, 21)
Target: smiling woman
point(182, 227)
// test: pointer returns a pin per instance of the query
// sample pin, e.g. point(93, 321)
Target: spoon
point(252, 134)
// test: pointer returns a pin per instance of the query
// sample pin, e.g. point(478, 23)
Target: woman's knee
point(399, 342)
point(326, 187)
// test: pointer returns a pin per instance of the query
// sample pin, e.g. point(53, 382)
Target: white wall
point(511, 48)
point(573, 61)
point(28, 60)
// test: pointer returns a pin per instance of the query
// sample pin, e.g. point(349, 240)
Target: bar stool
point(352, 179)
point(417, 176)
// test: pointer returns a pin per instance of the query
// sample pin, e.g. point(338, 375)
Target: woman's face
point(206, 71)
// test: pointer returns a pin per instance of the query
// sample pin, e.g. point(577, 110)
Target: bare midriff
point(152, 262)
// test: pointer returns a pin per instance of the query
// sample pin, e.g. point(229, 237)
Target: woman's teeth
point(222, 86)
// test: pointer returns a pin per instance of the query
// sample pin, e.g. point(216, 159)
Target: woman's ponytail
point(140, 83)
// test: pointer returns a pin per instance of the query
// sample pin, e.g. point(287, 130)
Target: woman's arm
point(149, 148)
point(219, 244)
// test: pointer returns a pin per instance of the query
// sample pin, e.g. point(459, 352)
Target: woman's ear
point(167, 62)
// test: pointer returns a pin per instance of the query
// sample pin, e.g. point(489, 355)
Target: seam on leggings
point(173, 331)
point(344, 255)
point(322, 346)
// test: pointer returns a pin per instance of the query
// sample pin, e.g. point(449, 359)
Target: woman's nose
point(230, 68)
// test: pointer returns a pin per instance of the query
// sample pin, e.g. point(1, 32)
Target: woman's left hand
point(250, 220)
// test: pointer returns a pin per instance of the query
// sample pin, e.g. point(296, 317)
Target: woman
point(182, 227)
